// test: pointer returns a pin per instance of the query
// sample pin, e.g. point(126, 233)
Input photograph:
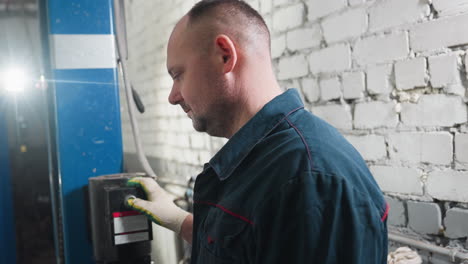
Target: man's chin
point(198, 126)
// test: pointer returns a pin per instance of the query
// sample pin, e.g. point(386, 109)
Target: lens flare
point(13, 80)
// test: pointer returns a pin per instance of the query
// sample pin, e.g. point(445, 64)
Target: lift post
point(7, 224)
point(86, 121)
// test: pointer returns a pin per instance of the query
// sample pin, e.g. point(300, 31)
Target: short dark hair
point(227, 9)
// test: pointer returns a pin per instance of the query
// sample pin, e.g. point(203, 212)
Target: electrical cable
point(122, 54)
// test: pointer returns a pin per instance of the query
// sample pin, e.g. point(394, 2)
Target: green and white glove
point(160, 207)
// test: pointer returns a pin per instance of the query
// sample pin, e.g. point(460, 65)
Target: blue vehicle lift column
point(87, 123)
point(7, 224)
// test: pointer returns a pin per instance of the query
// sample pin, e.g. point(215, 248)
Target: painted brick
point(204, 157)
point(319, 8)
point(332, 59)
point(292, 67)
point(199, 141)
point(448, 185)
point(371, 50)
point(182, 140)
point(375, 114)
point(288, 17)
point(434, 35)
point(310, 89)
point(466, 64)
point(277, 3)
point(392, 13)
point(353, 85)
point(190, 156)
point(434, 110)
point(398, 179)
point(461, 148)
point(356, 2)
point(456, 223)
point(378, 79)
point(304, 38)
point(355, 21)
point(410, 73)
point(448, 8)
point(266, 6)
point(371, 147)
point(278, 45)
point(397, 213)
point(424, 218)
point(255, 4)
point(330, 89)
point(455, 89)
point(338, 116)
point(435, 148)
point(444, 70)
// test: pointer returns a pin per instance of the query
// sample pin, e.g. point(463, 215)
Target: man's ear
point(226, 52)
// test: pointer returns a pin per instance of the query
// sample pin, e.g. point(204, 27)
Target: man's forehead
point(176, 41)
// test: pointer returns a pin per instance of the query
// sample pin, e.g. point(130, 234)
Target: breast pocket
point(223, 238)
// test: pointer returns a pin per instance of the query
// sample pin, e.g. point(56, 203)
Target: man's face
point(198, 83)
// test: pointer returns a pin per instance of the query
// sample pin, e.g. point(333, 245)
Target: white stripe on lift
point(83, 51)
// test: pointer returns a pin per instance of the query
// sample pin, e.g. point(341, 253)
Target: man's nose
point(175, 97)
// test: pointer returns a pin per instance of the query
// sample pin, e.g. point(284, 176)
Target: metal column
point(7, 224)
point(87, 111)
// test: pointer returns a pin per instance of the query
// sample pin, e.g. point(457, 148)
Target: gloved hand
point(160, 207)
point(404, 255)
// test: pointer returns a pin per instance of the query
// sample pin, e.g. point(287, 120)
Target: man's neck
point(251, 100)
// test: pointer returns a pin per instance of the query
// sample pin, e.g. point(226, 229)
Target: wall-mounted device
point(120, 235)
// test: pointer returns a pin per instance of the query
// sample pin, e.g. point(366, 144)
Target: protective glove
point(160, 207)
point(403, 255)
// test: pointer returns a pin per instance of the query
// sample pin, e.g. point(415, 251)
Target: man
point(286, 187)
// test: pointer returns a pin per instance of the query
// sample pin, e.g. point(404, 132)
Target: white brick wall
point(379, 49)
point(332, 59)
point(436, 148)
point(338, 116)
point(435, 110)
point(375, 115)
point(410, 73)
point(444, 70)
point(378, 79)
point(330, 89)
point(356, 2)
point(398, 179)
point(292, 67)
point(353, 85)
point(302, 38)
point(288, 17)
point(456, 222)
point(448, 185)
point(391, 13)
point(265, 6)
point(424, 218)
point(452, 7)
point(439, 34)
point(278, 45)
point(371, 147)
point(319, 8)
point(461, 148)
point(310, 89)
point(355, 21)
point(466, 65)
point(389, 69)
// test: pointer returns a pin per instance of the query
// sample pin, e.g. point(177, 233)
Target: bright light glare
point(13, 80)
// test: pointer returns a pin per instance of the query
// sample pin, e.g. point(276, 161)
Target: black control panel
point(120, 235)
